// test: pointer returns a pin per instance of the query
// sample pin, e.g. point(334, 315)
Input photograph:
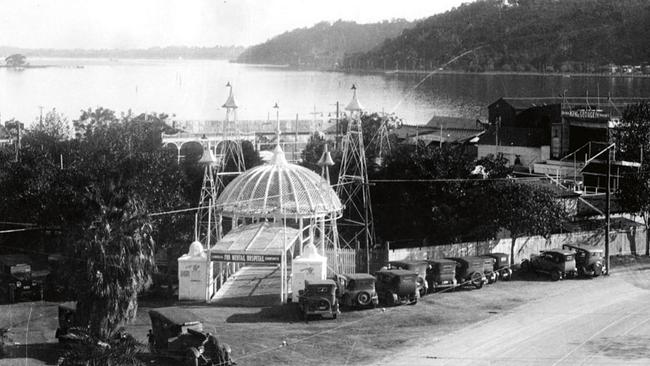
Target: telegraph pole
point(336, 138)
point(607, 209)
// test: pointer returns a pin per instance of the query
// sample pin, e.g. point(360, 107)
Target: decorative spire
point(230, 102)
point(277, 123)
point(208, 157)
point(354, 105)
point(325, 163)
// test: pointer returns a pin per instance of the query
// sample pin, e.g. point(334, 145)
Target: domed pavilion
point(273, 211)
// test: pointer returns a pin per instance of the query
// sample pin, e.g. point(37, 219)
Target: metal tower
point(384, 141)
point(356, 225)
point(330, 230)
point(205, 228)
point(229, 151)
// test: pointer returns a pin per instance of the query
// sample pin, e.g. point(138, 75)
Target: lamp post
point(607, 208)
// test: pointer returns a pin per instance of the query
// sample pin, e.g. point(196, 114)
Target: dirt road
point(601, 322)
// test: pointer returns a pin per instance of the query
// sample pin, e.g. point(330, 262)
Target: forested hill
point(520, 35)
point(322, 45)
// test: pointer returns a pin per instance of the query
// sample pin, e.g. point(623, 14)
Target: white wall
point(631, 241)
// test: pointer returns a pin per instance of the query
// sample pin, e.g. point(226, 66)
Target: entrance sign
point(245, 257)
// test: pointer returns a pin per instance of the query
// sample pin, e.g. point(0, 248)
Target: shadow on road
point(47, 353)
point(273, 314)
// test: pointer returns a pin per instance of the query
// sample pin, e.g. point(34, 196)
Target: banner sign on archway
point(245, 257)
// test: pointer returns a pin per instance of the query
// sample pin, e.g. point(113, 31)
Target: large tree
point(633, 142)
point(525, 209)
point(113, 176)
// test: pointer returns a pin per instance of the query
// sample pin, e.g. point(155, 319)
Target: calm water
point(195, 89)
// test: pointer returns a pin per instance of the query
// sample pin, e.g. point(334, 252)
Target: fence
point(347, 260)
point(622, 242)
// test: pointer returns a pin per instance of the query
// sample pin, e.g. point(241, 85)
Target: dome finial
point(354, 105)
point(230, 102)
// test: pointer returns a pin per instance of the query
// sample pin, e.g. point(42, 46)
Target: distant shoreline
point(447, 72)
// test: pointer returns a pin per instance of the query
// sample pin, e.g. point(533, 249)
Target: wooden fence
point(347, 261)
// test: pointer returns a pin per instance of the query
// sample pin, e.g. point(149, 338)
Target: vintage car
point(488, 269)
point(318, 298)
point(66, 332)
point(16, 278)
point(501, 265)
point(557, 263)
point(470, 271)
point(178, 334)
point(397, 286)
point(356, 290)
point(419, 267)
point(589, 259)
point(441, 274)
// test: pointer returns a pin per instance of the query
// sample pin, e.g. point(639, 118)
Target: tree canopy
point(322, 45)
point(16, 60)
point(633, 143)
point(98, 191)
point(520, 35)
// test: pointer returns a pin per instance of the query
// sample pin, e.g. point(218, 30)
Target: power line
point(524, 179)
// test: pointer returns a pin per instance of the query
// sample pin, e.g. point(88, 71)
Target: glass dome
point(278, 189)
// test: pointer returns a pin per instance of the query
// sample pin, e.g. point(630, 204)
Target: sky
point(150, 23)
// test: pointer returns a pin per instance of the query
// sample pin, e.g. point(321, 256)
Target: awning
point(255, 243)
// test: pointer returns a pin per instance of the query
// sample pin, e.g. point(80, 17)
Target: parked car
point(470, 271)
point(589, 259)
point(66, 332)
point(356, 290)
point(318, 298)
point(397, 286)
point(419, 267)
point(178, 334)
point(501, 265)
point(441, 274)
point(557, 263)
point(488, 269)
point(16, 278)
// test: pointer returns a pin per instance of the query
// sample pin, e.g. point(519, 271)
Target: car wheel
point(477, 280)
point(363, 299)
point(507, 274)
point(556, 276)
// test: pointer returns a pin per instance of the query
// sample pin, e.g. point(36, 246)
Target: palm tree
point(112, 262)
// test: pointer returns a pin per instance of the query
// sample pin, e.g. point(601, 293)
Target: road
point(603, 321)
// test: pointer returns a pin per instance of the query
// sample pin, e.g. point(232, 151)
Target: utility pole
point(607, 207)
point(40, 119)
point(295, 139)
point(336, 138)
point(18, 142)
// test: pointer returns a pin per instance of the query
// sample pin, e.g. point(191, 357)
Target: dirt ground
point(273, 335)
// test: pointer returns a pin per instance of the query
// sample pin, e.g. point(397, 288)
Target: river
point(195, 89)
